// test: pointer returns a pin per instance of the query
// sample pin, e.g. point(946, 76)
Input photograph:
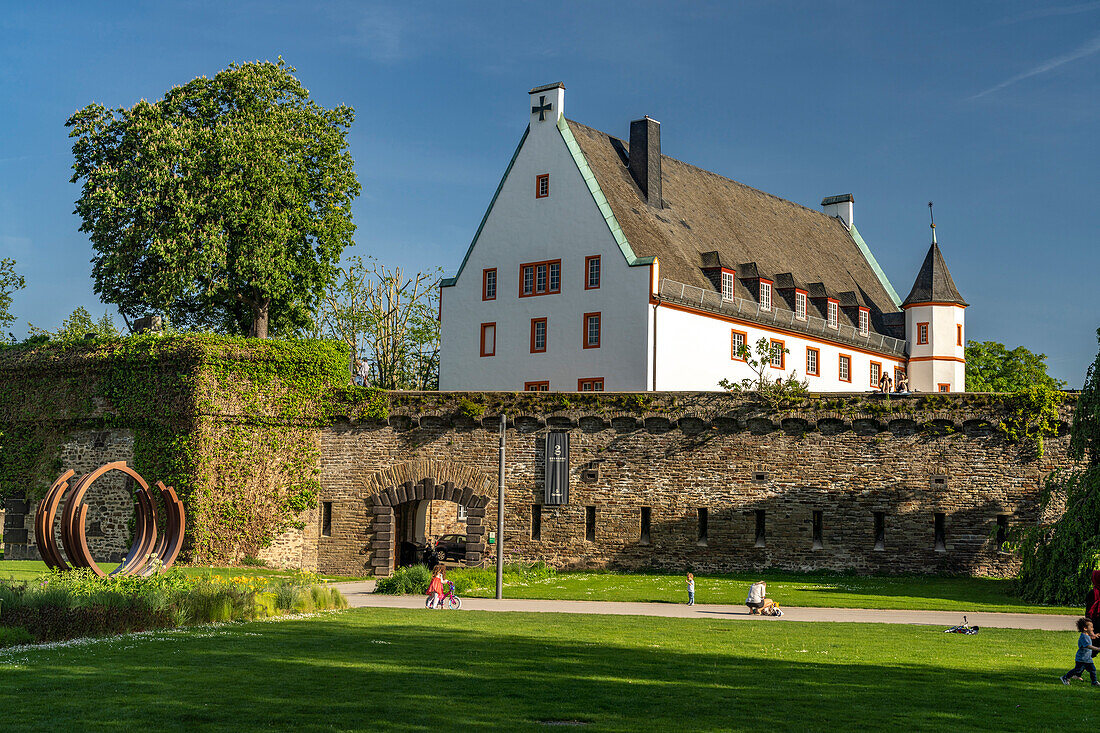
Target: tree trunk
point(260, 318)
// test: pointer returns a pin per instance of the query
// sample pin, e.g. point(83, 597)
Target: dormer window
point(864, 321)
point(832, 313)
point(765, 295)
point(727, 286)
point(800, 305)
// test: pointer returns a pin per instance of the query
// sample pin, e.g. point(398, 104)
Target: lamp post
point(500, 510)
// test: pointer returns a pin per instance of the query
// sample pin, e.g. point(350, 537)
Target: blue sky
point(991, 109)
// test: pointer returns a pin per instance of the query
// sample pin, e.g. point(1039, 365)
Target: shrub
point(253, 562)
point(13, 636)
point(75, 604)
point(413, 579)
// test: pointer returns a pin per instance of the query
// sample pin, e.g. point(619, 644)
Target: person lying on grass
point(757, 601)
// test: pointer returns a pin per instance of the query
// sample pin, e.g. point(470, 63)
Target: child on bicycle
point(435, 588)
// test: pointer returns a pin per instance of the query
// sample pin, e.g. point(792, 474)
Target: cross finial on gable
point(547, 102)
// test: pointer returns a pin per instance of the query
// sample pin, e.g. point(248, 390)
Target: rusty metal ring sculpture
point(146, 546)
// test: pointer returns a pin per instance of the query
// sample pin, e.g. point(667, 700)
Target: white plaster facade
point(941, 361)
point(520, 228)
point(708, 341)
point(644, 344)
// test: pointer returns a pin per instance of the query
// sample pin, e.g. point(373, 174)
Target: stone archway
point(423, 480)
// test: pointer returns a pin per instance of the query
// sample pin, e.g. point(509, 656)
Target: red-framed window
point(864, 321)
point(489, 284)
point(959, 334)
point(943, 387)
point(800, 305)
point(737, 340)
point(813, 362)
point(489, 339)
point(728, 285)
point(765, 295)
point(592, 330)
point(844, 368)
point(543, 386)
point(778, 354)
point(875, 373)
point(922, 333)
point(592, 272)
point(539, 278)
point(898, 374)
point(542, 185)
point(832, 311)
point(538, 335)
point(591, 384)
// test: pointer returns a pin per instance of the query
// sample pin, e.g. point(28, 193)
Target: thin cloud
point(382, 34)
point(1088, 49)
point(1051, 12)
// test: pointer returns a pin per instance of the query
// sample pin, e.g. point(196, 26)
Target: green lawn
point(916, 592)
point(399, 670)
point(28, 569)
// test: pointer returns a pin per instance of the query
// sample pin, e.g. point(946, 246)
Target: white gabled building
point(604, 265)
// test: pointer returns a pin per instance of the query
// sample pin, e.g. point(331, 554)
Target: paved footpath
point(361, 594)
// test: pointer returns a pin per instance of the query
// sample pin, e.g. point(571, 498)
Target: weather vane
point(933, 224)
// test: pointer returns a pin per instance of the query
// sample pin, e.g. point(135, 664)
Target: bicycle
point(449, 600)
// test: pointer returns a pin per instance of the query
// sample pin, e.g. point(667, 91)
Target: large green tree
point(225, 205)
point(992, 367)
point(1058, 556)
point(10, 281)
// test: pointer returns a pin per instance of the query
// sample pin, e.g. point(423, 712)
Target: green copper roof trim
point(449, 281)
point(597, 194)
point(874, 265)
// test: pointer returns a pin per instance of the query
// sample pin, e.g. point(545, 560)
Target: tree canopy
point(224, 205)
point(78, 327)
point(1058, 557)
point(992, 367)
point(10, 281)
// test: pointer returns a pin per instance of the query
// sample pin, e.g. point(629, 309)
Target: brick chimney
point(645, 158)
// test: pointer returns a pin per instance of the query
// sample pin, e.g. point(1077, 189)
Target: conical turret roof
point(934, 283)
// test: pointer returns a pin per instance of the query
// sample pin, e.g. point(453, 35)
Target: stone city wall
point(744, 475)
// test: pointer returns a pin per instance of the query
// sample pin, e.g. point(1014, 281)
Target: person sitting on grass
point(435, 588)
point(757, 601)
point(1085, 648)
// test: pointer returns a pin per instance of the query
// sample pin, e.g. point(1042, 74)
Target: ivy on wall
point(233, 423)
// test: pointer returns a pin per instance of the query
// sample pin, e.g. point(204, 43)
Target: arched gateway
point(400, 498)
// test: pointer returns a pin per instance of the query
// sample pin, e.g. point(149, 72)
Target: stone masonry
point(110, 500)
point(849, 495)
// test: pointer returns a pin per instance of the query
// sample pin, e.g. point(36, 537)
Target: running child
point(1085, 649)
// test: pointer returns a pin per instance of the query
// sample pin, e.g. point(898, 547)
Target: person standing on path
point(1083, 659)
point(691, 589)
point(1092, 601)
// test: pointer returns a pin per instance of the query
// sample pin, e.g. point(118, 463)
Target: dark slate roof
point(934, 283)
point(708, 218)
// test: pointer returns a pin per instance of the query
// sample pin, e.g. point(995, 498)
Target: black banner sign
point(557, 468)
